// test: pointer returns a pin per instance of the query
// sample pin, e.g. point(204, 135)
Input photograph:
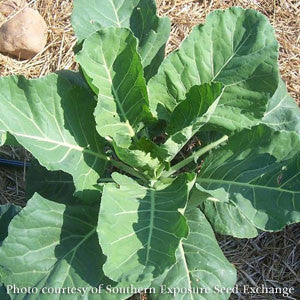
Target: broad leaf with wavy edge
point(283, 112)
point(152, 33)
point(200, 264)
point(190, 115)
point(53, 244)
point(110, 58)
point(140, 228)
point(236, 47)
point(52, 117)
point(259, 172)
point(225, 217)
point(88, 17)
point(138, 15)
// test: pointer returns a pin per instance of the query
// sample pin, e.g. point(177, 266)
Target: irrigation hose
point(14, 163)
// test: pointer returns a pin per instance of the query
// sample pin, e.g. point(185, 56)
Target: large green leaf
point(88, 17)
point(138, 15)
point(283, 112)
point(140, 228)
point(200, 264)
point(7, 213)
point(236, 47)
point(259, 173)
point(55, 245)
point(110, 58)
point(54, 185)
point(152, 33)
point(52, 117)
point(191, 114)
point(225, 217)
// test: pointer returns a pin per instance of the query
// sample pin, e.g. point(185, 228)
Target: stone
point(24, 35)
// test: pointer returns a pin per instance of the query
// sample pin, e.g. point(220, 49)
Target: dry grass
point(270, 259)
point(12, 180)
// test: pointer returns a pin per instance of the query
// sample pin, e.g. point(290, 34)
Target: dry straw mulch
point(58, 53)
point(272, 259)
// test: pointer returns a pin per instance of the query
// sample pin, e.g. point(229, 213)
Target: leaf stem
point(119, 164)
point(194, 156)
point(104, 180)
point(128, 170)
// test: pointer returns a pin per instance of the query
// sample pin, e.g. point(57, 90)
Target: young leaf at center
point(191, 114)
point(110, 58)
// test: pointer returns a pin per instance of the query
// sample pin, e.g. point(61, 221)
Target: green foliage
point(123, 192)
point(230, 40)
point(282, 112)
point(7, 212)
point(200, 262)
point(257, 175)
point(117, 74)
point(147, 222)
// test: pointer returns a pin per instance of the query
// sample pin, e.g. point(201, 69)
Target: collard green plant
point(125, 194)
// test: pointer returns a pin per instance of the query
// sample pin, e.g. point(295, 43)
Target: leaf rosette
point(140, 159)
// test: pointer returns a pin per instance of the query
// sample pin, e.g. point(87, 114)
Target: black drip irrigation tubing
point(13, 163)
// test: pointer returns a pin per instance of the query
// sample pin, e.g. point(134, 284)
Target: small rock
point(24, 35)
point(10, 6)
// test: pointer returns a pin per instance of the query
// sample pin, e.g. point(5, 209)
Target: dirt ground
point(272, 259)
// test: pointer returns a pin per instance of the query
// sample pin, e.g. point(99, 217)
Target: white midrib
point(132, 133)
point(59, 143)
point(74, 250)
point(50, 141)
point(232, 56)
point(275, 107)
point(152, 208)
point(185, 267)
point(244, 184)
point(116, 13)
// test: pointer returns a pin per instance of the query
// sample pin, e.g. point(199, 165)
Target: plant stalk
point(128, 169)
point(119, 165)
point(194, 156)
